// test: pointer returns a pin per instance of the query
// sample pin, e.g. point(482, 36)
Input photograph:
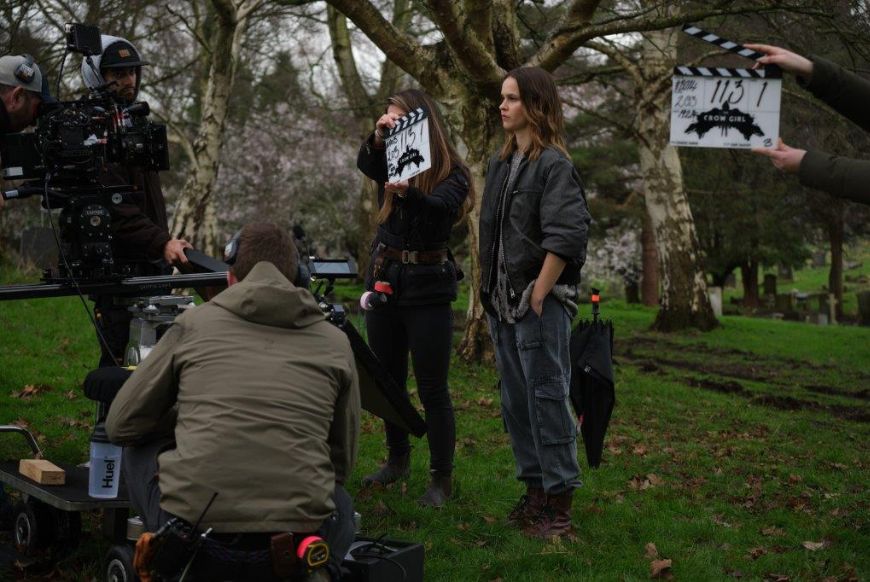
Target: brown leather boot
point(396, 468)
point(528, 507)
point(439, 491)
point(555, 519)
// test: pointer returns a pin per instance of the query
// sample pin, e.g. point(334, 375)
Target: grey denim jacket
point(544, 212)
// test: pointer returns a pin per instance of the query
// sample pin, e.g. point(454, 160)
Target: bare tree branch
point(417, 60)
point(469, 52)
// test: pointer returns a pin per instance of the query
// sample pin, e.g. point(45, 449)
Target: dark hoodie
point(268, 408)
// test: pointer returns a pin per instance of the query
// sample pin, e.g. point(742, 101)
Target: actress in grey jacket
point(533, 228)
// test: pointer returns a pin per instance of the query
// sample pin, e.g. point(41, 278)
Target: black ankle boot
point(396, 468)
point(439, 491)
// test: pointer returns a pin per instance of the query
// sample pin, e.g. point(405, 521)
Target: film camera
point(63, 159)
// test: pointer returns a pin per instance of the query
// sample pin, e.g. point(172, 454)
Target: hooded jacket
point(141, 228)
point(848, 94)
point(268, 408)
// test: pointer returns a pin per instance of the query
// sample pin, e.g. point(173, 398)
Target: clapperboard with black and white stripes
point(725, 107)
point(408, 146)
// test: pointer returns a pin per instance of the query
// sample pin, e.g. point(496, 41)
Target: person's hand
point(173, 251)
point(537, 304)
point(400, 189)
point(783, 157)
point(384, 122)
point(787, 60)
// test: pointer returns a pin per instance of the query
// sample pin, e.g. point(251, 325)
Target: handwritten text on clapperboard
point(408, 147)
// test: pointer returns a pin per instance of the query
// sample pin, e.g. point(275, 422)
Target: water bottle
point(105, 471)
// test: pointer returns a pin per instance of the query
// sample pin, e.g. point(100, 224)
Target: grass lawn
point(740, 453)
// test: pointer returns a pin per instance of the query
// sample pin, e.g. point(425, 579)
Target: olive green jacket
point(849, 94)
point(267, 402)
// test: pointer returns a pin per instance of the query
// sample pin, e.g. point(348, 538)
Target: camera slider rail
point(132, 286)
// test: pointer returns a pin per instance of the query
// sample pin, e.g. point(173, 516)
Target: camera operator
point(264, 398)
point(140, 229)
point(23, 89)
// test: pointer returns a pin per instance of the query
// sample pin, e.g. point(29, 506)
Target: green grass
point(724, 483)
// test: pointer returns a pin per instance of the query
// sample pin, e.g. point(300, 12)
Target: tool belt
point(286, 555)
point(408, 257)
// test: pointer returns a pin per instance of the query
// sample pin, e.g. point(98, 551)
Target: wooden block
point(42, 471)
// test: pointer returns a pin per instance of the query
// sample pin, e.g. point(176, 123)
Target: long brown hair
point(543, 109)
point(444, 155)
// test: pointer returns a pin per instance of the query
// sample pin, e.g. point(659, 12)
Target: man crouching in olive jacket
point(262, 395)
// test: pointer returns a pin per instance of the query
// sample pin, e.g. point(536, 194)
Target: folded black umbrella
point(592, 388)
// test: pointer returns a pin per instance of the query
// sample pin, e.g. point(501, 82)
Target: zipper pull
point(513, 294)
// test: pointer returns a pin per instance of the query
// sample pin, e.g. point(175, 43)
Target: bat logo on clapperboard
point(411, 156)
point(725, 118)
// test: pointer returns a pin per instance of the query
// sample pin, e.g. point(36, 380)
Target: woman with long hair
point(533, 226)
point(410, 253)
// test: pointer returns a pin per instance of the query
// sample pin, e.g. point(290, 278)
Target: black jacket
point(417, 222)
point(544, 212)
point(140, 227)
point(4, 118)
point(849, 94)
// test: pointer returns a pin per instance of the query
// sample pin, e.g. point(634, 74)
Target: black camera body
point(74, 144)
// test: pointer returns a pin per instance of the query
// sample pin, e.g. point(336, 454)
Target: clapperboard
point(722, 107)
point(408, 146)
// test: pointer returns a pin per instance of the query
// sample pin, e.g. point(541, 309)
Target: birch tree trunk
point(195, 218)
point(684, 302)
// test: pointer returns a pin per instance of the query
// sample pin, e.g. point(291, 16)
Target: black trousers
point(427, 332)
point(140, 468)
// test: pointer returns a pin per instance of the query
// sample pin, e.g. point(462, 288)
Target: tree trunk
point(195, 218)
point(632, 292)
point(684, 302)
point(650, 264)
point(482, 133)
point(835, 237)
point(749, 274)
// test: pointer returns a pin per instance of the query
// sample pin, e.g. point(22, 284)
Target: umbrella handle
point(596, 298)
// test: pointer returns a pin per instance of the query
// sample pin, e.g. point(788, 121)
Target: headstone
point(769, 284)
point(784, 302)
point(864, 307)
point(820, 258)
point(38, 246)
point(785, 273)
point(715, 294)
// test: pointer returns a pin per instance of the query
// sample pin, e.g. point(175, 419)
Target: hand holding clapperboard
point(407, 144)
point(725, 108)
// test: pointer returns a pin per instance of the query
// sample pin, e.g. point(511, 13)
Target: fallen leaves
point(642, 483)
point(29, 391)
point(816, 546)
point(661, 569)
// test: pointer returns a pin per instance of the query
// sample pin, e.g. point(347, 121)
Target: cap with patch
point(120, 54)
point(20, 71)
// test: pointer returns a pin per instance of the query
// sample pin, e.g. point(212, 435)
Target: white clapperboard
point(725, 108)
point(408, 146)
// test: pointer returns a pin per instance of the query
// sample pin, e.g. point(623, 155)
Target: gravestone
point(864, 307)
point(769, 284)
point(715, 294)
point(785, 273)
point(820, 258)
